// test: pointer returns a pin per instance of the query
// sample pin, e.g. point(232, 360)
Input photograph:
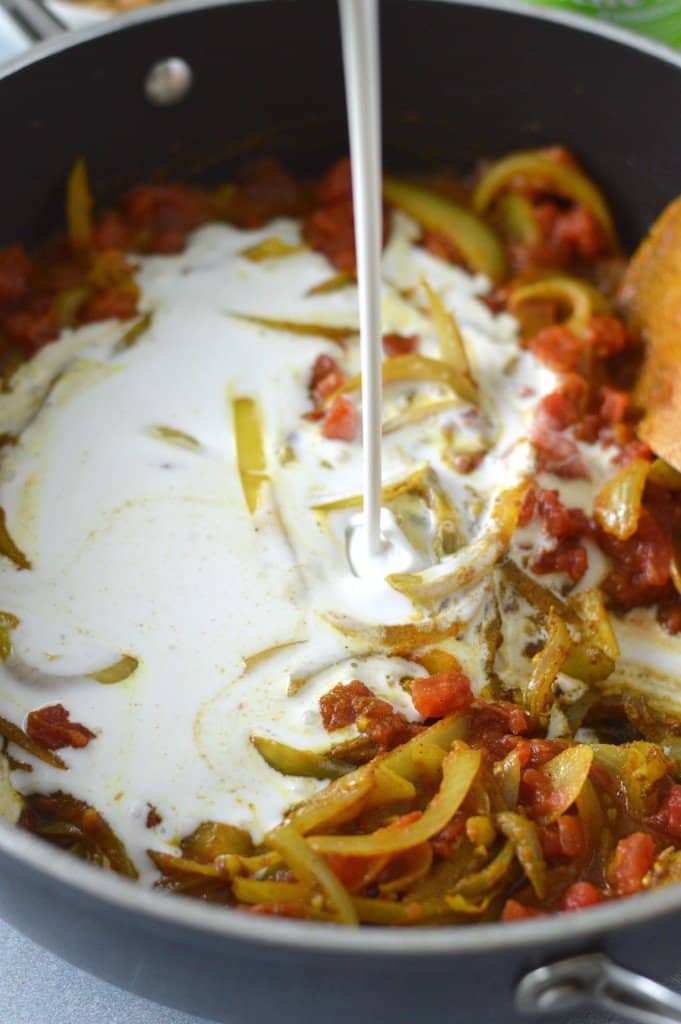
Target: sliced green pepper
point(305, 763)
point(540, 170)
point(480, 247)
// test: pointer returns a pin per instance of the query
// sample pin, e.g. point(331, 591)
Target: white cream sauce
point(144, 548)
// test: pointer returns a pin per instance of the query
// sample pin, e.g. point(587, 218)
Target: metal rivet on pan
point(168, 81)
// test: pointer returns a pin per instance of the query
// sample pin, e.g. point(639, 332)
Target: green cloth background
point(659, 19)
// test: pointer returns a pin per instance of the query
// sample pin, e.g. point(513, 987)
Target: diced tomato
point(564, 406)
point(323, 366)
point(614, 405)
point(542, 751)
point(354, 703)
point(558, 410)
point(331, 230)
point(500, 716)
point(558, 520)
point(264, 190)
point(32, 328)
point(557, 347)
point(664, 506)
point(633, 450)
point(112, 304)
point(669, 815)
point(51, 727)
point(496, 728)
point(341, 422)
point(618, 434)
point(341, 705)
point(550, 843)
point(581, 895)
point(641, 566)
point(326, 378)
point(111, 232)
point(445, 844)
point(571, 834)
point(537, 793)
point(589, 428)
point(355, 872)
point(516, 911)
point(336, 184)
point(328, 384)
point(601, 778)
point(400, 344)
point(446, 693)
point(567, 556)
point(557, 453)
point(271, 189)
point(579, 228)
point(632, 861)
point(161, 216)
point(607, 336)
point(15, 272)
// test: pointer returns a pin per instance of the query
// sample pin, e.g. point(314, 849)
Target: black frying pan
point(461, 80)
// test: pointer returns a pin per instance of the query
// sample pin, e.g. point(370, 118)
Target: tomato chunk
point(331, 230)
point(342, 420)
point(537, 793)
point(326, 377)
point(51, 726)
point(111, 232)
point(614, 405)
point(161, 216)
point(15, 271)
point(355, 872)
point(516, 911)
point(32, 328)
point(632, 861)
point(669, 815)
point(354, 703)
point(446, 693)
point(336, 184)
point(557, 347)
point(567, 556)
point(581, 895)
point(579, 229)
point(607, 336)
point(400, 344)
point(641, 564)
point(112, 304)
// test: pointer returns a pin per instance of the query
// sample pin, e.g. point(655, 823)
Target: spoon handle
point(359, 29)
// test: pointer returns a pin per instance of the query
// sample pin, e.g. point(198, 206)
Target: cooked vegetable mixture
point(194, 688)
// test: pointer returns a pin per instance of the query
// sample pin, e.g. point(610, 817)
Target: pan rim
point(175, 8)
point(149, 907)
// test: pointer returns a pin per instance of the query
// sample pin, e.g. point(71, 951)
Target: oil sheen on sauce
point(147, 548)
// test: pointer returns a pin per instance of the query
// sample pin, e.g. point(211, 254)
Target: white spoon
point(359, 29)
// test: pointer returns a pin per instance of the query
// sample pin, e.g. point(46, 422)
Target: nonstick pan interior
point(460, 82)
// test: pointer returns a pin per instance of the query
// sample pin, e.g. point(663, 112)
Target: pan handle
point(33, 18)
point(594, 979)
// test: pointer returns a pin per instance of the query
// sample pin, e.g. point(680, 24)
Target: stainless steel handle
point(594, 979)
point(33, 18)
